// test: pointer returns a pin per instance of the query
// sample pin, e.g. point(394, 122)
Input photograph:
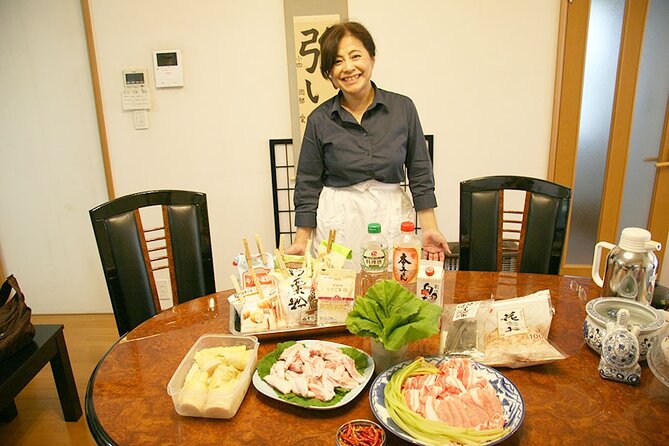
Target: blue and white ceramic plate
point(508, 394)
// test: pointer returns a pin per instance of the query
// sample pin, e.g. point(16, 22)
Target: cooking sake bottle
point(406, 256)
point(373, 258)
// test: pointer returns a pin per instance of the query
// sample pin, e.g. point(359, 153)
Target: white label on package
point(511, 322)
point(466, 310)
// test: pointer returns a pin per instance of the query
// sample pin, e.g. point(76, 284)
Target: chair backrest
point(492, 234)
point(131, 254)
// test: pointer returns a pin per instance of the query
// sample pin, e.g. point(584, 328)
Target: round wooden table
point(567, 403)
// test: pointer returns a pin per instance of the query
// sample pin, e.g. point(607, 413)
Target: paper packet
point(335, 292)
point(262, 265)
point(462, 329)
point(516, 332)
point(257, 312)
point(335, 259)
point(295, 292)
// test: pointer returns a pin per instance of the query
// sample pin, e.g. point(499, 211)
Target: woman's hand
point(299, 246)
point(435, 246)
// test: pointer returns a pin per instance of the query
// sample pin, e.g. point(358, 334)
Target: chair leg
point(65, 384)
point(9, 412)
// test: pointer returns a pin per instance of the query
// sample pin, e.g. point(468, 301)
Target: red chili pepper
point(361, 435)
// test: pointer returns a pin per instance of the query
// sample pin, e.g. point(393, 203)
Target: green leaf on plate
point(266, 363)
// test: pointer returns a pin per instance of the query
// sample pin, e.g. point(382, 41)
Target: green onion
point(429, 431)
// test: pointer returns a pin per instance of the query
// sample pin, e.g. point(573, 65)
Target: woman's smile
point(352, 70)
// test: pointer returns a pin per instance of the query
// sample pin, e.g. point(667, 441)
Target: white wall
point(213, 134)
point(481, 74)
point(52, 170)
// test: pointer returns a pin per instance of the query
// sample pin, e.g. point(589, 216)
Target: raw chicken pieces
point(313, 371)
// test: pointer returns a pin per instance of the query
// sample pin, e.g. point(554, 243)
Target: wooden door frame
point(97, 94)
point(658, 222)
point(572, 40)
point(570, 67)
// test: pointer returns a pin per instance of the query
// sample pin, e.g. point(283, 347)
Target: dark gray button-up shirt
point(337, 151)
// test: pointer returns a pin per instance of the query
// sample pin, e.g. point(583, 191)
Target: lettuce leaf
point(393, 316)
point(265, 364)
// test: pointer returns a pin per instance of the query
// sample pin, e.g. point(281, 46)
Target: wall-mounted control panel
point(168, 68)
point(135, 93)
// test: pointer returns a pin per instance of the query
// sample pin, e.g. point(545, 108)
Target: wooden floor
point(40, 419)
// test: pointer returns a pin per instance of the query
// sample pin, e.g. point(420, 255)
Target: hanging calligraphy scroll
point(312, 87)
point(305, 22)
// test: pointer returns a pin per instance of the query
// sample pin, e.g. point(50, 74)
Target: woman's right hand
point(299, 246)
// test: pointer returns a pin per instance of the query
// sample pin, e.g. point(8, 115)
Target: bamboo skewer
point(235, 284)
point(331, 239)
point(281, 244)
point(282, 265)
point(260, 250)
point(256, 282)
point(247, 254)
point(307, 256)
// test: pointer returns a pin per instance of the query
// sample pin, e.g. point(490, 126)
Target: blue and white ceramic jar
point(605, 309)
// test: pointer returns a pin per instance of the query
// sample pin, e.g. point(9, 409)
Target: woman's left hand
point(435, 246)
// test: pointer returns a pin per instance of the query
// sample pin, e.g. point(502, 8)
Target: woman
point(354, 151)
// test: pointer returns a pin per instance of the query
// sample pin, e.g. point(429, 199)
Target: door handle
point(657, 164)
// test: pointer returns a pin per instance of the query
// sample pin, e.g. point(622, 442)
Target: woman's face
point(352, 70)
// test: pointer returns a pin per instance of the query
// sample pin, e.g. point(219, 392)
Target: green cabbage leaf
point(393, 316)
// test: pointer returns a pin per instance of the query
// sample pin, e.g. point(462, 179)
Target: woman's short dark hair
point(330, 39)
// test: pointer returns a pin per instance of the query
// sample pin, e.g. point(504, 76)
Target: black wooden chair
point(491, 234)
point(17, 370)
point(131, 254)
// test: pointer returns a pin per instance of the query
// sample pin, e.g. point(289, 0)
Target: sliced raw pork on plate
point(456, 396)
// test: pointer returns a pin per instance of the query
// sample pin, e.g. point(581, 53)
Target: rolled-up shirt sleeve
point(418, 163)
point(309, 181)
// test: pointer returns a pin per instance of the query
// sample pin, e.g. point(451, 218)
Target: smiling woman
point(348, 55)
point(355, 150)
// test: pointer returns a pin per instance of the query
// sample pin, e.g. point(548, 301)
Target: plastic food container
point(212, 403)
point(353, 439)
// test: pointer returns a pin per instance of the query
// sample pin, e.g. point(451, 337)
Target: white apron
point(350, 209)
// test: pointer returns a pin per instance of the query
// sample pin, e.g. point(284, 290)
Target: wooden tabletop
point(566, 402)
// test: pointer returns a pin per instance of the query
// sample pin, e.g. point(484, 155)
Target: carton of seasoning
point(429, 282)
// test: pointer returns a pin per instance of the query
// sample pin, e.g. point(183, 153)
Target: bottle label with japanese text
point(374, 259)
point(405, 265)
